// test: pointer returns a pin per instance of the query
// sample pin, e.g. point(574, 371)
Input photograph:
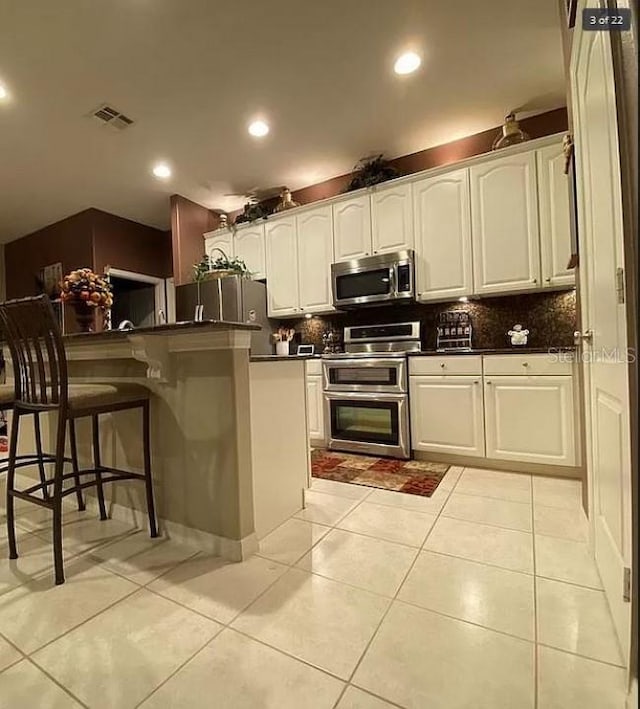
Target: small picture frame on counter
point(306, 349)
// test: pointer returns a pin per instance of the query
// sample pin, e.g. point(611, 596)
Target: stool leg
point(96, 462)
point(148, 480)
point(74, 463)
point(38, 435)
point(58, 559)
point(11, 476)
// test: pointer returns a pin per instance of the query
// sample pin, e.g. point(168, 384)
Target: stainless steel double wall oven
point(366, 390)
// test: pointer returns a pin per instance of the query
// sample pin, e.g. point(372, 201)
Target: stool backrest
point(37, 352)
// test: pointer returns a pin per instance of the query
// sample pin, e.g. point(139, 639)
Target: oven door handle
point(365, 396)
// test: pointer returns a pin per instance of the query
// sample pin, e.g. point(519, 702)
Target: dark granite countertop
point(496, 351)
point(167, 329)
point(281, 358)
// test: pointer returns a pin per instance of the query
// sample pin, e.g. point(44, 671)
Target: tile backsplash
point(550, 318)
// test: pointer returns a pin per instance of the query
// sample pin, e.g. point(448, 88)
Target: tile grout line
point(57, 682)
point(488, 524)
point(86, 620)
point(535, 603)
point(394, 598)
point(183, 664)
point(583, 657)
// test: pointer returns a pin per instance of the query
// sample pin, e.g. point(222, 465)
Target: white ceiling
point(192, 73)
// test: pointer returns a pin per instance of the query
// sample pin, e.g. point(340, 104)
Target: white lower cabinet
point(530, 419)
point(315, 410)
point(447, 414)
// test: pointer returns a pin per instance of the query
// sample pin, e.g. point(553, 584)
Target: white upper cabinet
point(392, 219)
point(282, 267)
point(220, 239)
point(504, 224)
point(555, 229)
point(249, 246)
point(441, 210)
point(315, 254)
point(352, 228)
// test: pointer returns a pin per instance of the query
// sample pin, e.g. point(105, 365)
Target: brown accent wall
point(536, 126)
point(69, 241)
point(122, 243)
point(189, 221)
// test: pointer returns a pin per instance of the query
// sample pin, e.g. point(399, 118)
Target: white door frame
point(159, 283)
point(584, 41)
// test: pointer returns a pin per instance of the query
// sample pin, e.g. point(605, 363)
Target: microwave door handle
point(393, 275)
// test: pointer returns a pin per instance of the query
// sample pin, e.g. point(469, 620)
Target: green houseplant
point(219, 267)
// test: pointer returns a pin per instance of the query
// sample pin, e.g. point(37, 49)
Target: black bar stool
point(42, 386)
point(39, 458)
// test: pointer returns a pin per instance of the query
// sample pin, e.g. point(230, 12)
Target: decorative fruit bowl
point(86, 292)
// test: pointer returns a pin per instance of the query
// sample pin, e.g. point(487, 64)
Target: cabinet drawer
point(513, 364)
point(446, 364)
point(314, 366)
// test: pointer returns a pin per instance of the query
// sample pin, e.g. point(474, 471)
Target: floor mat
point(415, 477)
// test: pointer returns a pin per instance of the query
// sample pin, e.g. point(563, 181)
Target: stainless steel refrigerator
point(243, 300)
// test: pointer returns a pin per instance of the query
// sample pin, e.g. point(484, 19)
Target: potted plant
point(86, 292)
point(371, 171)
point(210, 267)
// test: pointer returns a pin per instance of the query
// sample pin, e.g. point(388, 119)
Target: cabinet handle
point(525, 364)
point(375, 252)
point(534, 280)
point(442, 364)
point(488, 382)
point(547, 280)
point(476, 382)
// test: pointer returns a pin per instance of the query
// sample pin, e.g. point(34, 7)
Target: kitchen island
point(230, 455)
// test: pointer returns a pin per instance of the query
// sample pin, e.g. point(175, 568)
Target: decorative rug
point(415, 477)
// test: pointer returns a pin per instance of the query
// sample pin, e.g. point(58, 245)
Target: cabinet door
point(352, 228)
point(530, 419)
point(555, 229)
point(249, 246)
point(447, 414)
point(504, 224)
point(315, 410)
point(315, 256)
point(221, 239)
point(282, 267)
point(392, 219)
point(443, 236)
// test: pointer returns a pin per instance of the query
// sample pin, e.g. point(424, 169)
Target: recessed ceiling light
point(258, 129)
point(407, 63)
point(162, 171)
point(3, 92)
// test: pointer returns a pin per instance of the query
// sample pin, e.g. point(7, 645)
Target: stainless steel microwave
point(374, 280)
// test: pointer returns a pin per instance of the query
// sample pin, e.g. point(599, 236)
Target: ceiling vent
point(110, 116)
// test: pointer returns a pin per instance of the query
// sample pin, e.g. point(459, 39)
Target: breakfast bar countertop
point(282, 358)
point(166, 329)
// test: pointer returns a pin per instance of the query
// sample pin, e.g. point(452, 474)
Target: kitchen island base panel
point(205, 460)
point(280, 452)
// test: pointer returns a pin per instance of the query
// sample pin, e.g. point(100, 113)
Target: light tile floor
point(483, 595)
